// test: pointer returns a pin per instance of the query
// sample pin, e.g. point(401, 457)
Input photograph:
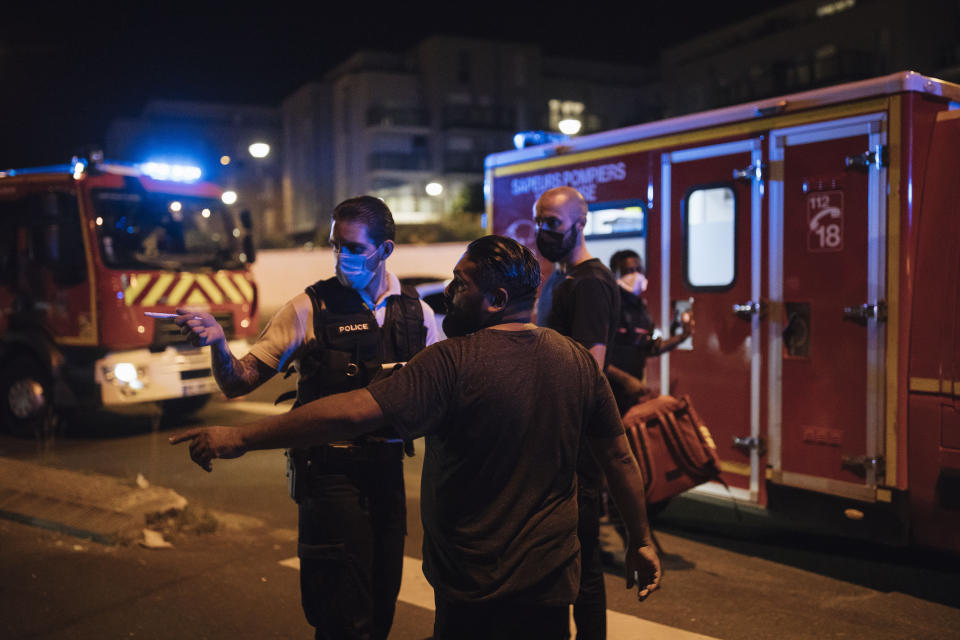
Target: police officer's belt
point(367, 451)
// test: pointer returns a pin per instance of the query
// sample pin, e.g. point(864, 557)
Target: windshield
point(154, 230)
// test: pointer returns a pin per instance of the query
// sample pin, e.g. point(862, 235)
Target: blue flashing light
point(172, 172)
point(119, 295)
point(524, 139)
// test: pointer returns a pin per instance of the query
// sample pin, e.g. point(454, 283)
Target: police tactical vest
point(350, 346)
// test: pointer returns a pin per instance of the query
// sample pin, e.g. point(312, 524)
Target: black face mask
point(554, 245)
point(460, 322)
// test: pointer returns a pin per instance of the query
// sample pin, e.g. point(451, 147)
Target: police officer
point(339, 335)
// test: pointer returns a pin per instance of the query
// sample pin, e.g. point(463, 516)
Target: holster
point(297, 472)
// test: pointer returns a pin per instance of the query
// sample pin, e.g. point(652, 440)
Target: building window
point(463, 67)
point(835, 7)
point(709, 229)
point(564, 110)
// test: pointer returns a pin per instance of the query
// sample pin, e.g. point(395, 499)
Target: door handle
point(750, 442)
point(864, 312)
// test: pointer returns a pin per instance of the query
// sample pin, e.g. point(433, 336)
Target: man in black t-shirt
point(502, 404)
point(581, 301)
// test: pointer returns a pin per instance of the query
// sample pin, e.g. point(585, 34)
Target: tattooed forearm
point(237, 377)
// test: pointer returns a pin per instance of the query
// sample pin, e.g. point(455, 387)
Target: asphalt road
point(724, 579)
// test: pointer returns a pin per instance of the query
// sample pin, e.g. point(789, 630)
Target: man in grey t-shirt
point(502, 404)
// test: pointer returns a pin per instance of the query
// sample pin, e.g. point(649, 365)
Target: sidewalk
point(102, 508)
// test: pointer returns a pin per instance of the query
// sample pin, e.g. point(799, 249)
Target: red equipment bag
point(672, 445)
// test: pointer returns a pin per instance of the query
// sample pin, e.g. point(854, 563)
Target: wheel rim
point(26, 398)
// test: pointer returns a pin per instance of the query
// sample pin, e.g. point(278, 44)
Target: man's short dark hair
point(503, 262)
point(618, 258)
point(372, 212)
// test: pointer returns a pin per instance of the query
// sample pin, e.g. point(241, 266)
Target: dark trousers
point(590, 609)
point(499, 621)
point(352, 525)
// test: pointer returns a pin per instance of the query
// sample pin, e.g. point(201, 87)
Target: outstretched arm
point(344, 416)
point(626, 487)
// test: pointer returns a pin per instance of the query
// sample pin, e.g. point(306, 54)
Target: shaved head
point(566, 202)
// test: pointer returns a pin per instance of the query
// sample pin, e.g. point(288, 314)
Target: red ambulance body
point(817, 238)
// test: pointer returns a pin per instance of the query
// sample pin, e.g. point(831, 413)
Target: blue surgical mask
point(357, 270)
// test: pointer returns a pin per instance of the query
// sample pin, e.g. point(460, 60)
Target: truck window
point(60, 235)
point(139, 230)
point(9, 218)
point(615, 220)
point(709, 229)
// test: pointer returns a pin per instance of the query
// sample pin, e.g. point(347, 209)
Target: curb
point(96, 507)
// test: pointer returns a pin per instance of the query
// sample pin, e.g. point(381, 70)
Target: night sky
point(66, 73)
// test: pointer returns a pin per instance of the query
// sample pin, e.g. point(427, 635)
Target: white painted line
point(415, 590)
point(623, 626)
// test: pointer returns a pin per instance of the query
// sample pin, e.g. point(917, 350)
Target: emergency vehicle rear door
point(710, 260)
point(827, 280)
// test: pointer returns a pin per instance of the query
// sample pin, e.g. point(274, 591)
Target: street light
point(259, 149)
point(433, 188)
point(569, 126)
point(229, 197)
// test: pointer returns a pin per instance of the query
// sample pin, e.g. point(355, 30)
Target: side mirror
point(246, 221)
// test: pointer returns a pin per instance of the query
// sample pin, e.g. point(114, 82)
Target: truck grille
point(166, 332)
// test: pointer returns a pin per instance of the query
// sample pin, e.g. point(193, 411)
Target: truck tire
point(183, 407)
point(26, 395)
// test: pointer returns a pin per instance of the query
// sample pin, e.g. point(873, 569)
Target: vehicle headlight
point(126, 374)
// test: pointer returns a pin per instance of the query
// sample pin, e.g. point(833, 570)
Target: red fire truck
point(85, 250)
point(817, 238)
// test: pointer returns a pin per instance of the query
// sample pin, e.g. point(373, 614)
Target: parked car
point(431, 290)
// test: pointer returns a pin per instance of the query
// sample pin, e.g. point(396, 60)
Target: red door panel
point(825, 250)
point(716, 371)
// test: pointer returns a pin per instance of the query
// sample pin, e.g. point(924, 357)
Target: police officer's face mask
point(357, 270)
point(556, 245)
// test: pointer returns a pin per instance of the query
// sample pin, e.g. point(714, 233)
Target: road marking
point(262, 408)
point(415, 590)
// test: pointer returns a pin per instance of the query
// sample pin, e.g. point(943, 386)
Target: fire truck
point(85, 250)
point(817, 238)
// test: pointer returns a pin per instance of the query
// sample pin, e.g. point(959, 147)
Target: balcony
point(397, 117)
point(396, 161)
point(476, 117)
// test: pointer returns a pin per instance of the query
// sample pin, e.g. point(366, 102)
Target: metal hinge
point(877, 157)
point(864, 464)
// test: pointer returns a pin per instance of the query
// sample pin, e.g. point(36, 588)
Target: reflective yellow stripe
point(176, 296)
point(196, 297)
point(245, 288)
point(215, 295)
point(934, 385)
point(157, 289)
point(738, 468)
point(224, 281)
point(892, 389)
point(137, 284)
